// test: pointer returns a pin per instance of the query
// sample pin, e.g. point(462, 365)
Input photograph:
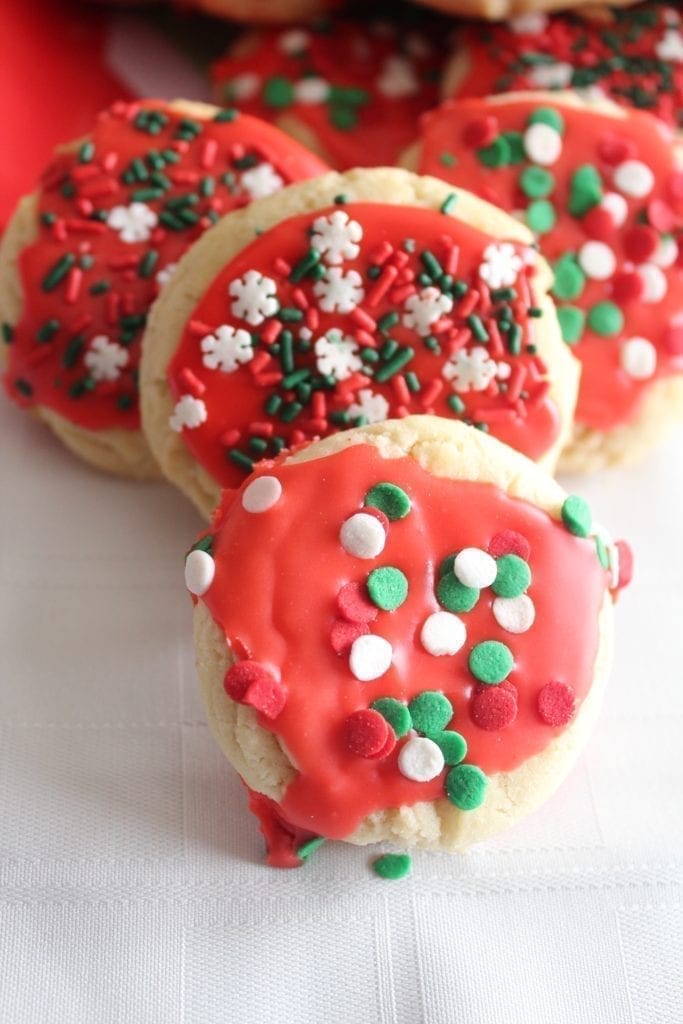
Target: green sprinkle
point(7, 333)
point(452, 745)
point(576, 515)
point(515, 142)
point(490, 662)
point(396, 714)
point(603, 554)
point(515, 339)
point(343, 117)
point(449, 203)
point(431, 712)
point(387, 587)
point(240, 459)
point(392, 865)
point(389, 499)
point(273, 403)
point(99, 287)
point(446, 564)
point(86, 261)
point(23, 387)
point(147, 195)
point(431, 264)
point(290, 315)
point(297, 377)
point(79, 387)
point(72, 351)
point(340, 199)
point(58, 272)
point(541, 216)
point(456, 404)
point(447, 159)
point(309, 847)
point(258, 445)
point(569, 278)
point(536, 182)
point(125, 402)
point(386, 322)
point(585, 190)
point(454, 595)
point(549, 116)
point(287, 351)
point(86, 153)
point(572, 320)
point(204, 544)
point(497, 154)
point(148, 263)
point(389, 348)
point(606, 319)
point(290, 412)
point(466, 786)
point(476, 325)
point(392, 366)
point(305, 264)
point(226, 115)
point(413, 381)
point(369, 355)
point(513, 576)
point(47, 331)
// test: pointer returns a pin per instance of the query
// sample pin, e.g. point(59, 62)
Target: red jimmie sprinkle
point(556, 703)
point(494, 707)
point(509, 542)
point(366, 732)
point(353, 603)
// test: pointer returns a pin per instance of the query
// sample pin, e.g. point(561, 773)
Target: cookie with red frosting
point(632, 56)
point(497, 9)
point(349, 89)
point(602, 189)
point(85, 256)
point(348, 300)
point(385, 641)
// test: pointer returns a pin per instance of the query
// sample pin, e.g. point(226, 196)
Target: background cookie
point(603, 190)
point(411, 575)
point(84, 257)
point(347, 300)
point(496, 9)
point(266, 10)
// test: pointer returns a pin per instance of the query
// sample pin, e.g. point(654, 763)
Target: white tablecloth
point(131, 884)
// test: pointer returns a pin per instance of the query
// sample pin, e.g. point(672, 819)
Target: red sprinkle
point(556, 703)
point(494, 707)
point(628, 286)
point(365, 732)
point(191, 383)
point(598, 223)
point(344, 633)
point(244, 674)
point(640, 243)
point(353, 603)
point(660, 215)
point(614, 150)
point(509, 542)
point(673, 338)
point(625, 563)
point(480, 132)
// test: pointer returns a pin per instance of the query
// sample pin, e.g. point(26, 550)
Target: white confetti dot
point(311, 91)
point(597, 260)
point(475, 568)
point(667, 252)
point(542, 144)
point(443, 633)
point(362, 535)
point(530, 24)
point(616, 206)
point(244, 86)
point(634, 178)
point(638, 358)
point(420, 759)
point(200, 570)
point(294, 40)
point(654, 281)
point(261, 494)
point(370, 657)
point(514, 614)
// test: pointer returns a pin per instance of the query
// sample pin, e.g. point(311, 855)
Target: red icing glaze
point(282, 839)
point(53, 371)
point(608, 394)
point(274, 593)
point(238, 421)
point(359, 87)
point(626, 60)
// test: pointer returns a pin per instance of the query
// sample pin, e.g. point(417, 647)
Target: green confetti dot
point(453, 746)
point(513, 576)
point(585, 190)
point(606, 319)
point(497, 154)
point(446, 564)
point(491, 662)
point(278, 92)
point(466, 786)
point(309, 847)
point(569, 278)
point(454, 595)
point(390, 499)
point(387, 587)
point(396, 714)
point(515, 141)
point(342, 117)
point(602, 552)
point(431, 712)
point(541, 216)
point(549, 116)
point(572, 321)
point(392, 865)
point(536, 182)
point(577, 516)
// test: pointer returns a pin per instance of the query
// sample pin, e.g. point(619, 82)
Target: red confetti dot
point(628, 286)
point(494, 707)
point(366, 732)
point(388, 746)
point(266, 695)
point(378, 514)
point(241, 675)
point(614, 150)
point(480, 132)
point(625, 563)
point(673, 339)
point(598, 223)
point(660, 215)
point(344, 633)
point(675, 187)
point(556, 703)
point(509, 542)
point(354, 604)
point(640, 243)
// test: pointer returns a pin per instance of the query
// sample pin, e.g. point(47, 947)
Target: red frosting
point(275, 593)
point(278, 390)
point(358, 87)
point(645, 248)
point(82, 281)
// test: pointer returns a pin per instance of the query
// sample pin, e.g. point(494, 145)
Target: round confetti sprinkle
point(606, 319)
point(638, 358)
point(654, 283)
point(454, 595)
point(343, 634)
point(443, 633)
point(509, 542)
point(572, 320)
point(577, 516)
point(597, 260)
point(634, 178)
point(200, 570)
point(242, 675)
point(542, 144)
point(452, 745)
point(490, 661)
point(261, 494)
point(309, 847)
point(387, 587)
point(549, 116)
point(366, 732)
point(370, 657)
point(625, 555)
point(396, 714)
point(616, 206)
point(513, 576)
point(493, 707)
point(536, 182)
point(353, 603)
point(420, 759)
point(475, 568)
point(392, 865)
point(466, 786)
point(389, 499)
point(362, 535)
point(541, 216)
point(556, 703)
point(514, 614)
point(266, 695)
point(569, 278)
point(430, 712)
point(446, 565)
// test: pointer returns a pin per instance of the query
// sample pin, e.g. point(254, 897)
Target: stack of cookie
point(361, 355)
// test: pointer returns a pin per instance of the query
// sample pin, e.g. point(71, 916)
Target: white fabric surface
point(131, 885)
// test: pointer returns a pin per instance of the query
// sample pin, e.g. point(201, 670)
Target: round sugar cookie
point(632, 56)
point(348, 300)
point(266, 10)
point(402, 633)
point(602, 189)
point(497, 9)
point(84, 257)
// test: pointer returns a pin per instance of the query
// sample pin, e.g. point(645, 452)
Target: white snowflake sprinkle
point(339, 292)
point(189, 412)
point(337, 355)
point(262, 181)
point(311, 91)
point(105, 359)
point(226, 349)
point(336, 236)
point(424, 309)
point(500, 265)
point(398, 79)
point(134, 223)
point(470, 371)
point(670, 46)
point(530, 24)
point(165, 274)
point(372, 407)
point(255, 297)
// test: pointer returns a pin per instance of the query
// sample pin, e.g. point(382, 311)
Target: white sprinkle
point(514, 614)
point(667, 252)
point(634, 178)
point(654, 280)
point(420, 759)
point(475, 568)
point(311, 91)
point(261, 494)
point(551, 76)
point(294, 40)
point(638, 358)
point(597, 260)
point(362, 535)
point(530, 24)
point(370, 657)
point(244, 86)
point(542, 144)
point(616, 206)
point(443, 633)
point(188, 413)
point(200, 570)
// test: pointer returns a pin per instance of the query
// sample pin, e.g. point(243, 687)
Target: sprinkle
point(261, 494)
point(555, 703)
point(396, 714)
point(353, 603)
point(309, 847)
point(370, 657)
point(638, 358)
point(253, 684)
point(513, 576)
point(390, 499)
point(514, 614)
point(362, 535)
point(200, 569)
point(634, 178)
point(366, 733)
point(490, 661)
point(392, 865)
point(585, 190)
point(343, 634)
point(576, 515)
point(452, 745)
point(572, 321)
point(387, 587)
point(569, 279)
point(606, 319)
point(443, 633)
point(454, 595)
point(58, 272)
point(466, 786)
point(449, 203)
point(542, 144)
point(597, 260)
point(475, 568)
point(420, 759)
point(430, 711)
point(494, 707)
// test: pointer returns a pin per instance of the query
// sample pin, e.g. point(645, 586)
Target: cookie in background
point(497, 9)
